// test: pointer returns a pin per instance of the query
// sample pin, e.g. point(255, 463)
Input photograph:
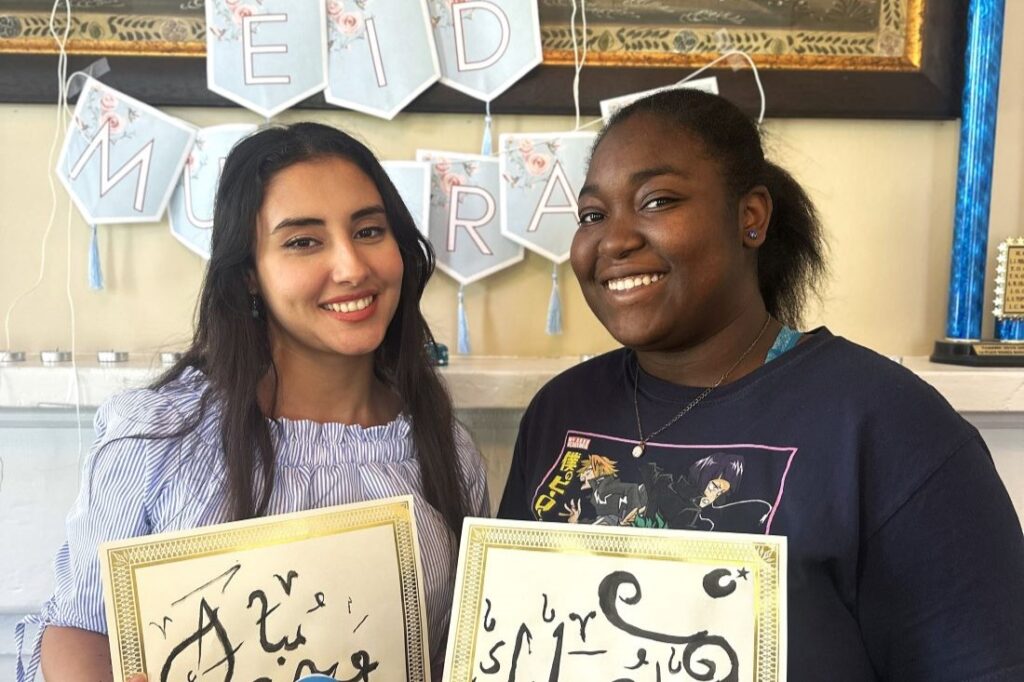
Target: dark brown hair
point(232, 348)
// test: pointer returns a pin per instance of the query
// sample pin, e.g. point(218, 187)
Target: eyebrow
point(642, 176)
point(310, 221)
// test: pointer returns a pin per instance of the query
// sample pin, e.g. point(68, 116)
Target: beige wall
point(885, 190)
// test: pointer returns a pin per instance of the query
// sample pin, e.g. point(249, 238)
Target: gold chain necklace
point(638, 450)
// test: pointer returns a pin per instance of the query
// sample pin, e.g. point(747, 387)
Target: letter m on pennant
point(141, 161)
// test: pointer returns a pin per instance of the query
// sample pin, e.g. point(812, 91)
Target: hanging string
point(729, 55)
point(554, 305)
point(463, 323)
point(60, 38)
point(95, 271)
point(485, 144)
point(726, 55)
point(62, 67)
point(577, 60)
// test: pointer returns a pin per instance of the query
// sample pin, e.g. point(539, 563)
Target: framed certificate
point(336, 591)
point(557, 601)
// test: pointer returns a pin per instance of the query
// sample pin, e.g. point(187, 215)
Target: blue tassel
point(485, 146)
point(463, 325)
point(95, 272)
point(555, 305)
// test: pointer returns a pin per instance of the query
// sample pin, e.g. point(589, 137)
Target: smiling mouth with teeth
point(349, 306)
point(626, 283)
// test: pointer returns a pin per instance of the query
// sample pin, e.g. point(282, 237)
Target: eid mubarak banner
point(380, 55)
point(541, 176)
point(190, 212)
point(464, 223)
point(486, 45)
point(266, 54)
point(412, 180)
point(121, 158)
point(373, 56)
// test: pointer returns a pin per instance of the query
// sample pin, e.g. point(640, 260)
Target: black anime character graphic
point(616, 503)
point(700, 500)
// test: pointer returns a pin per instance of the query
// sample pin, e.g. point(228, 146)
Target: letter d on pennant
point(460, 36)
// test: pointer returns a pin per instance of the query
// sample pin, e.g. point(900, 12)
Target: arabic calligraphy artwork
point(558, 602)
point(334, 591)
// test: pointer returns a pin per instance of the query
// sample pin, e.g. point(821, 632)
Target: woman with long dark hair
point(905, 556)
point(307, 384)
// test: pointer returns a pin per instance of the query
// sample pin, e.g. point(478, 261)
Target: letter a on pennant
point(541, 176)
point(266, 55)
point(464, 225)
point(121, 157)
point(485, 45)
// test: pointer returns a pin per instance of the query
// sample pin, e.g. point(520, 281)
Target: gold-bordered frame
point(1007, 304)
point(172, 73)
point(766, 554)
point(895, 45)
point(121, 564)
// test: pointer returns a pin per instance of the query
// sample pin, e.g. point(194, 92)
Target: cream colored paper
point(335, 590)
point(558, 601)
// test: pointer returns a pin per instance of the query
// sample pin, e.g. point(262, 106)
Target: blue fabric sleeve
point(941, 597)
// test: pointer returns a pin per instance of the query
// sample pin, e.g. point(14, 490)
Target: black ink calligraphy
point(713, 583)
point(608, 597)
point(282, 643)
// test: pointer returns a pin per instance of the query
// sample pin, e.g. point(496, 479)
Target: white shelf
point(475, 382)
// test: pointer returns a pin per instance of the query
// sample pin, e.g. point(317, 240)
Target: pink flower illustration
point(350, 23)
point(525, 147)
point(231, 3)
point(240, 12)
point(113, 121)
point(335, 10)
point(108, 102)
point(442, 167)
point(538, 163)
point(449, 180)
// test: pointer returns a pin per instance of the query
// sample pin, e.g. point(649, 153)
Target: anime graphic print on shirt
point(728, 487)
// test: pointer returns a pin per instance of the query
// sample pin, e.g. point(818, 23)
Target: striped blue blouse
point(135, 486)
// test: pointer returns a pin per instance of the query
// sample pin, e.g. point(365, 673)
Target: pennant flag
point(412, 180)
point(464, 224)
point(380, 55)
point(121, 158)
point(190, 213)
point(541, 176)
point(265, 54)
point(612, 105)
point(486, 45)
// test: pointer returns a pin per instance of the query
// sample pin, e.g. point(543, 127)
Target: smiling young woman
point(906, 558)
point(307, 385)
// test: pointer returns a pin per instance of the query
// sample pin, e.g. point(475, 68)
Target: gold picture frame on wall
point(801, 34)
point(818, 58)
point(857, 35)
point(169, 28)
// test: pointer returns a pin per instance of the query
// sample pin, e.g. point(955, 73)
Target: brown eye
point(300, 243)
point(589, 217)
point(370, 232)
point(659, 202)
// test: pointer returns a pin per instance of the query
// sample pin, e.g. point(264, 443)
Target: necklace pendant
point(638, 450)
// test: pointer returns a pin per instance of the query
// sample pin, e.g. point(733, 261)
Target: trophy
point(963, 344)
point(1009, 299)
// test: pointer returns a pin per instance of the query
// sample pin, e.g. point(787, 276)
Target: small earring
point(752, 234)
point(255, 306)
